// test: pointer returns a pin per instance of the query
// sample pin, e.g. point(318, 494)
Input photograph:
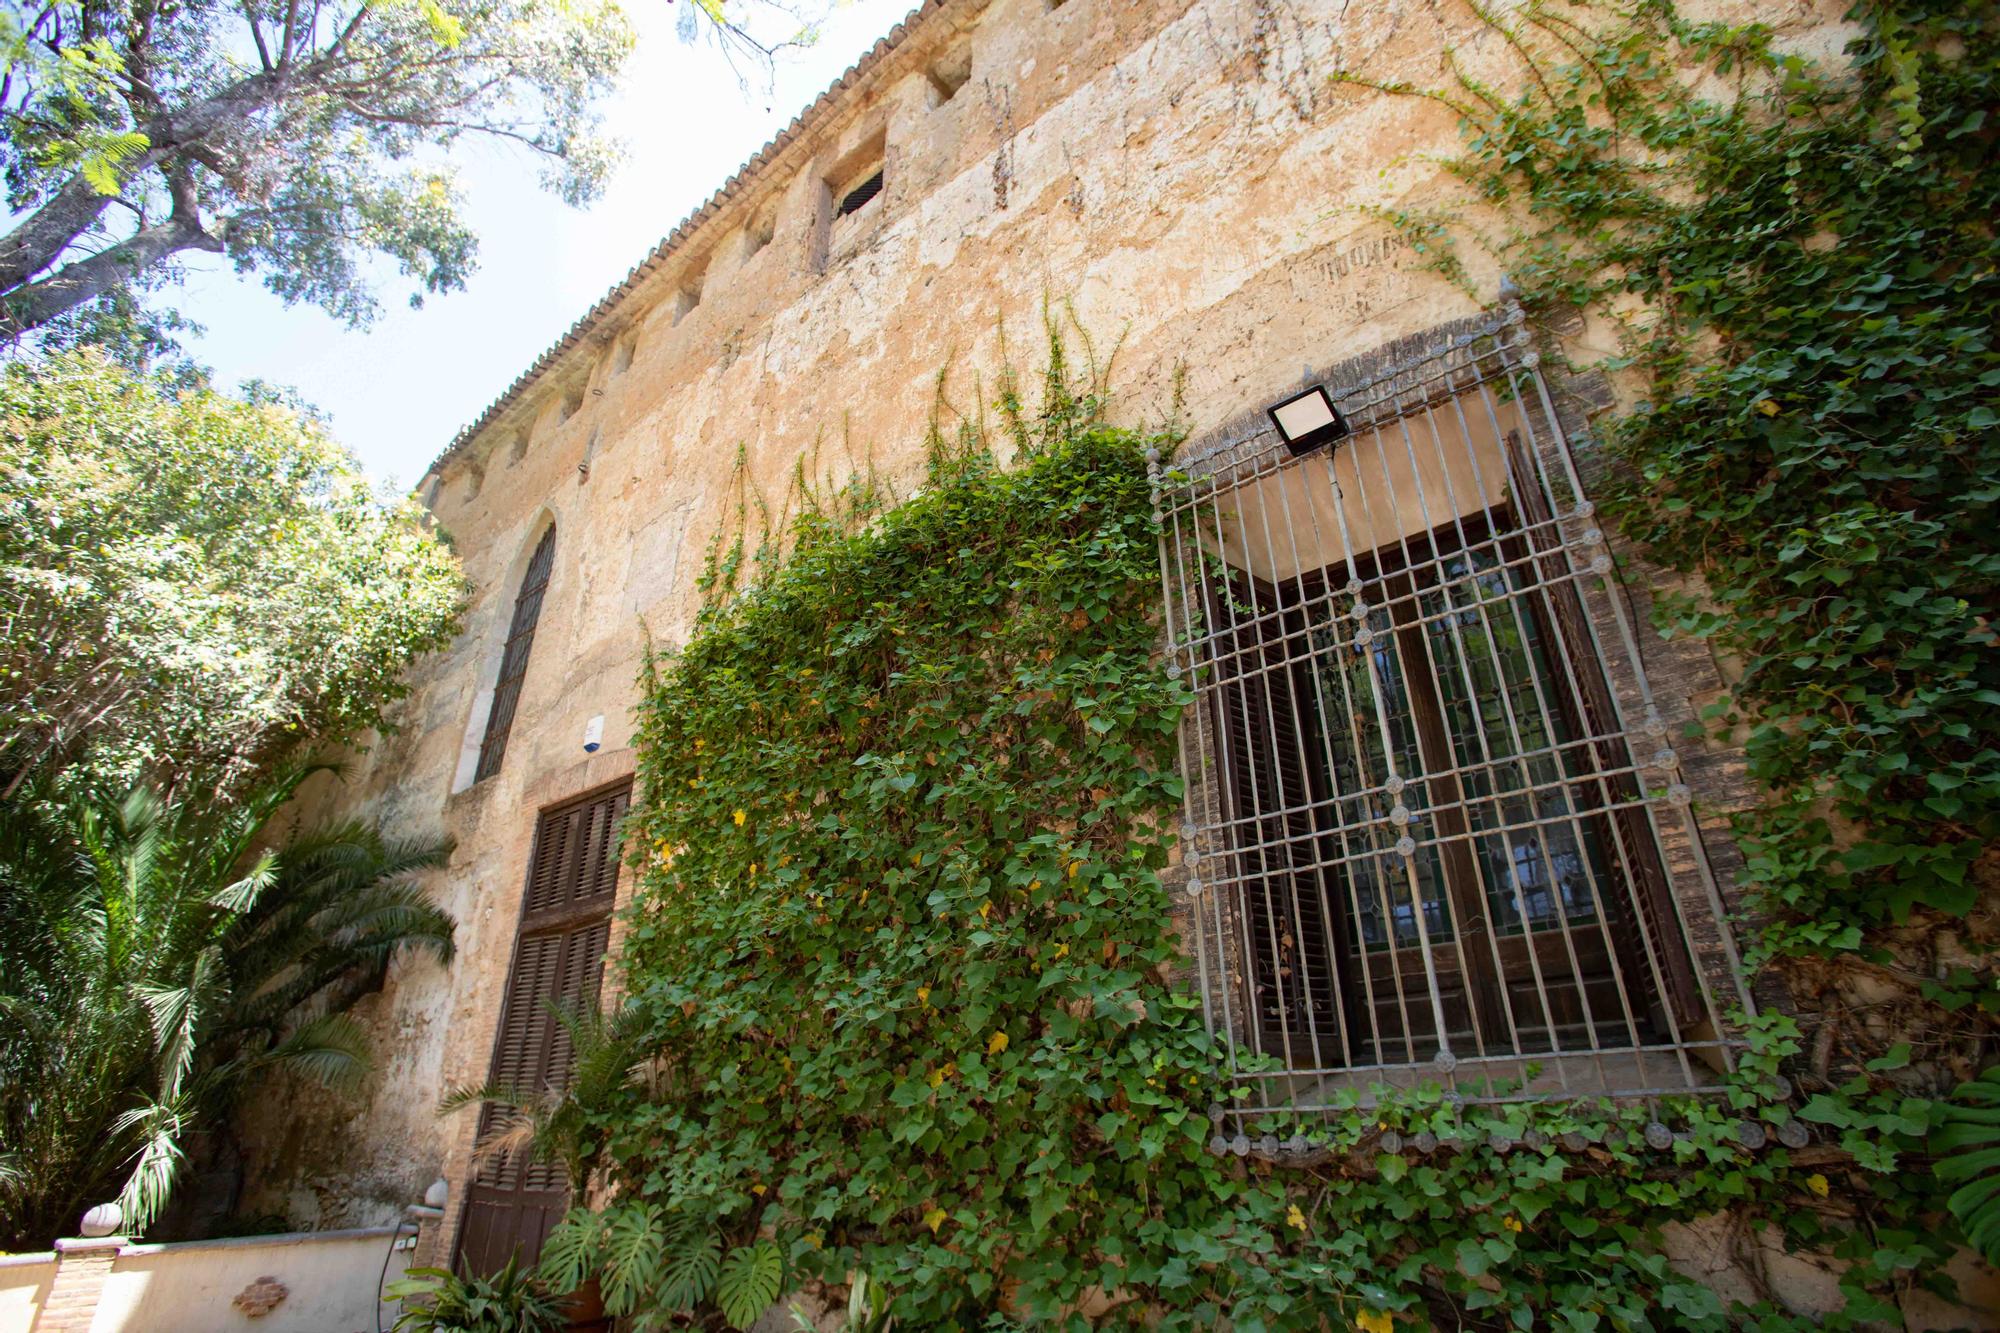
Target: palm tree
point(556, 1123)
point(154, 959)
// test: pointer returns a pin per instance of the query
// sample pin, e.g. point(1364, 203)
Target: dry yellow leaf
point(1817, 1184)
point(996, 1043)
point(934, 1219)
point(739, 817)
point(1375, 1321)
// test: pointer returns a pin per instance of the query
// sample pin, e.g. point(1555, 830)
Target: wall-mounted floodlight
point(1308, 421)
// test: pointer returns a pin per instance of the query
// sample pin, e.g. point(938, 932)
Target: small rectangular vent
point(858, 198)
point(951, 73)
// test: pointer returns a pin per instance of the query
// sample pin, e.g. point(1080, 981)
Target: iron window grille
point(1434, 831)
point(514, 657)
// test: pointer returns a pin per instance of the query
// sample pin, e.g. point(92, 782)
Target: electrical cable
point(382, 1279)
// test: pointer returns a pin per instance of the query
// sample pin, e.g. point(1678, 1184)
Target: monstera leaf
point(752, 1277)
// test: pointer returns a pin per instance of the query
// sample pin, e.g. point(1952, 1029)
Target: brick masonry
point(82, 1269)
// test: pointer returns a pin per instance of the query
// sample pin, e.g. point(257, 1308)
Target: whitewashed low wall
point(329, 1279)
point(24, 1288)
point(302, 1282)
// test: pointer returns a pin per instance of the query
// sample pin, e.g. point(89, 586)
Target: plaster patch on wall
point(656, 558)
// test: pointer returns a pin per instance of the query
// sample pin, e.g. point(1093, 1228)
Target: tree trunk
point(37, 303)
point(40, 241)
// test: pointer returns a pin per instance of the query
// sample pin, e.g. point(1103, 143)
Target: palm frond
point(509, 1134)
point(242, 895)
point(156, 1163)
point(384, 919)
point(461, 1095)
point(1969, 1139)
point(331, 1049)
point(175, 1013)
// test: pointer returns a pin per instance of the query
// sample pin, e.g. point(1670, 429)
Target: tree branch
point(37, 303)
point(347, 33)
point(291, 42)
point(257, 36)
point(39, 241)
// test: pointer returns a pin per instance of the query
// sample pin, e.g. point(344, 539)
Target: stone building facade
point(1184, 177)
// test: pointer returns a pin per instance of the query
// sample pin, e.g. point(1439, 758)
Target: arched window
point(514, 659)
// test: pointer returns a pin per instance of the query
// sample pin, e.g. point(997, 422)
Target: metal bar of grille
point(1420, 841)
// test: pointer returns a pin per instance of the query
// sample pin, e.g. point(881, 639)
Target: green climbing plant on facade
point(901, 950)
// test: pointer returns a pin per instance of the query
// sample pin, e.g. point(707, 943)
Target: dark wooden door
point(514, 1201)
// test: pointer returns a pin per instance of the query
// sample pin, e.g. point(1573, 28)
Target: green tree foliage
point(191, 584)
point(154, 960)
point(295, 139)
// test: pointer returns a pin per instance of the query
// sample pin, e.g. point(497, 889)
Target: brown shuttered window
point(558, 961)
point(514, 658)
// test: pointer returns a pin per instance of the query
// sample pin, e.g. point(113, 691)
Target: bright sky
point(399, 390)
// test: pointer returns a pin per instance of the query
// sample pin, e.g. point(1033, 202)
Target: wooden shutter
point(514, 658)
point(513, 1202)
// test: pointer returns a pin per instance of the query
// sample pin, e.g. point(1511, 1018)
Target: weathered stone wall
point(1182, 174)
